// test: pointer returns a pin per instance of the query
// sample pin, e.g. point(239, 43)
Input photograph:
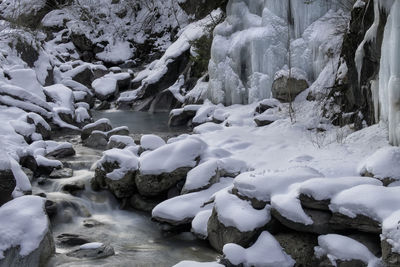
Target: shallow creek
point(137, 240)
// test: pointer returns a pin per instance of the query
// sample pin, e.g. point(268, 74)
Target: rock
point(61, 173)
point(38, 257)
point(103, 106)
point(123, 130)
point(105, 88)
point(62, 152)
point(81, 41)
point(97, 139)
point(143, 204)
point(163, 102)
point(51, 208)
point(311, 203)
point(103, 125)
point(122, 188)
point(42, 127)
point(219, 234)
point(7, 185)
point(74, 188)
point(267, 104)
point(181, 118)
point(83, 75)
point(320, 226)
point(29, 162)
point(263, 121)
point(300, 246)
point(202, 9)
point(390, 258)
point(360, 223)
point(118, 141)
point(154, 185)
point(103, 251)
point(286, 89)
point(65, 115)
point(72, 240)
point(90, 223)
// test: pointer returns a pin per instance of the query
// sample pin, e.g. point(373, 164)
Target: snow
point(151, 142)
point(232, 211)
point(26, 79)
point(201, 176)
point(61, 95)
point(23, 183)
point(94, 245)
point(199, 223)
point(81, 115)
point(23, 223)
point(96, 123)
point(338, 247)
point(375, 202)
point(266, 252)
point(120, 51)
point(127, 140)
point(5, 163)
point(126, 160)
point(186, 207)
point(197, 264)
point(42, 161)
point(172, 156)
point(391, 231)
point(105, 86)
point(384, 163)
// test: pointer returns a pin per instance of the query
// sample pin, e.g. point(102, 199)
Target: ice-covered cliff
point(252, 45)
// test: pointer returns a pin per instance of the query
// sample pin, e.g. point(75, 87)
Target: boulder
point(321, 221)
point(62, 152)
point(311, 203)
point(90, 223)
point(73, 188)
point(391, 258)
point(61, 173)
point(92, 251)
point(181, 117)
point(154, 185)
point(103, 106)
point(72, 240)
point(142, 203)
point(360, 222)
point(286, 89)
point(42, 127)
point(103, 125)
point(123, 130)
point(7, 185)
point(97, 139)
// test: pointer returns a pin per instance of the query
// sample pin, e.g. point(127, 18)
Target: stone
point(181, 119)
point(390, 258)
point(123, 188)
point(300, 246)
point(73, 188)
point(85, 76)
point(103, 106)
point(311, 203)
point(81, 41)
point(360, 222)
point(90, 223)
point(155, 185)
point(103, 251)
point(220, 235)
point(61, 173)
point(118, 131)
point(40, 128)
point(286, 89)
point(201, 9)
point(320, 226)
point(72, 240)
point(96, 139)
point(143, 204)
point(63, 152)
point(163, 102)
point(103, 126)
point(7, 185)
point(263, 122)
point(51, 208)
point(38, 257)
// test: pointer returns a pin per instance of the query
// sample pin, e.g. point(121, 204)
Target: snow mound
point(232, 211)
point(172, 156)
point(151, 142)
point(61, 95)
point(384, 163)
point(116, 53)
point(265, 252)
point(200, 222)
point(105, 86)
point(197, 264)
point(23, 223)
point(338, 247)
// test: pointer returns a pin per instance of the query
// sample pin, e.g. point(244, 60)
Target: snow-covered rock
point(99, 125)
point(105, 88)
point(151, 142)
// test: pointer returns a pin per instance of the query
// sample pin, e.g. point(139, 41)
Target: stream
point(137, 240)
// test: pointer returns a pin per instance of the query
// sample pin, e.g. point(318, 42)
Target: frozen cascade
point(251, 46)
point(389, 75)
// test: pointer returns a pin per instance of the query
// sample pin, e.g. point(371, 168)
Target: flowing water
point(137, 240)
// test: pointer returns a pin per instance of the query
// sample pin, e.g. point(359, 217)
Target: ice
point(151, 142)
point(23, 223)
point(185, 207)
point(384, 163)
point(266, 252)
point(126, 160)
point(338, 247)
point(172, 156)
point(94, 245)
point(238, 213)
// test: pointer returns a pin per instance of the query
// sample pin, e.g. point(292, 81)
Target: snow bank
point(23, 223)
point(172, 156)
point(266, 251)
point(338, 247)
point(61, 95)
point(384, 163)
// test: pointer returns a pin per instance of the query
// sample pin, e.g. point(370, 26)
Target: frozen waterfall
point(251, 46)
